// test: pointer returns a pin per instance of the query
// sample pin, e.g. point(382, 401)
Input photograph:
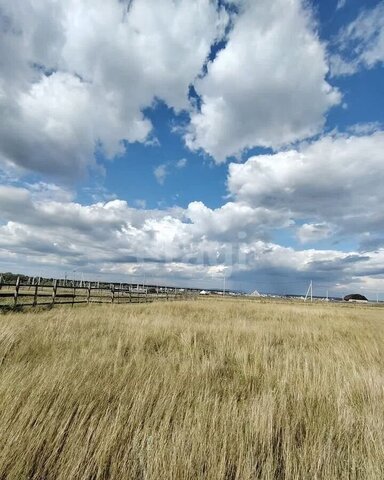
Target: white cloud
point(310, 232)
point(182, 163)
point(161, 173)
point(75, 76)
point(335, 179)
point(339, 66)
point(163, 170)
point(159, 46)
point(189, 246)
point(267, 87)
point(361, 43)
point(234, 221)
point(341, 4)
point(50, 192)
point(365, 128)
point(60, 122)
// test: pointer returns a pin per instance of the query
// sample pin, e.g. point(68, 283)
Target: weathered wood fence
point(14, 295)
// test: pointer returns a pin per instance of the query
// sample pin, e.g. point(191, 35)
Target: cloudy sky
point(185, 141)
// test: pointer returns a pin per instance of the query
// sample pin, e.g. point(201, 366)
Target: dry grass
point(199, 390)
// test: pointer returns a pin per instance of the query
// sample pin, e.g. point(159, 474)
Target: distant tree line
point(9, 277)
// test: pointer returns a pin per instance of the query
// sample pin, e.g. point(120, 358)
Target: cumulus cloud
point(76, 76)
point(336, 179)
point(191, 246)
point(234, 221)
point(267, 87)
point(361, 43)
point(57, 126)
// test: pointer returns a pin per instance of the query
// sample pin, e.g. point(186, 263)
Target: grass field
point(211, 389)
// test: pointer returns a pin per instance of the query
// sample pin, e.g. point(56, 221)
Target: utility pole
point(309, 291)
point(224, 285)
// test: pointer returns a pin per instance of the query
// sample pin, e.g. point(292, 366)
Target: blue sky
point(198, 179)
point(189, 141)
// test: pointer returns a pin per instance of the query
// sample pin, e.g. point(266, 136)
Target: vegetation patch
point(212, 389)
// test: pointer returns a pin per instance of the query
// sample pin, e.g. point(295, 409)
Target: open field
point(207, 389)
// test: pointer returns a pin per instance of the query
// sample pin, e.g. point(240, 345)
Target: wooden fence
point(15, 295)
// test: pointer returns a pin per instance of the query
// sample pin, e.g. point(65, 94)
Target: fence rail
point(17, 295)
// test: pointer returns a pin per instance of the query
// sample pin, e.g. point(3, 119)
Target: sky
point(185, 142)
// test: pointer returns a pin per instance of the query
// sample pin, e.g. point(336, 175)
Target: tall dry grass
point(200, 390)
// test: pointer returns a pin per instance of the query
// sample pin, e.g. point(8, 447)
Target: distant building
point(355, 297)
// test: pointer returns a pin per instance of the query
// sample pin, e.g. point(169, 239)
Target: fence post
point(35, 295)
point(54, 291)
point(113, 293)
point(89, 293)
point(74, 294)
point(16, 294)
